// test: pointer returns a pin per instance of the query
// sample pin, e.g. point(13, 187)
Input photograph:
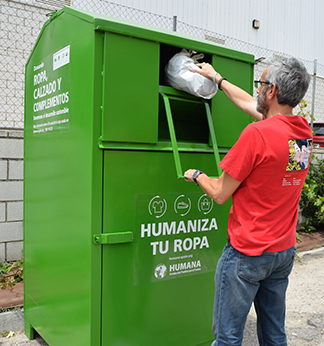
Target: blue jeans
point(241, 280)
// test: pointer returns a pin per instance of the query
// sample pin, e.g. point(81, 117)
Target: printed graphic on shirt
point(299, 154)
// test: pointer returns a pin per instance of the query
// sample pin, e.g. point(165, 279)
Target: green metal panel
point(62, 172)
point(130, 94)
point(139, 308)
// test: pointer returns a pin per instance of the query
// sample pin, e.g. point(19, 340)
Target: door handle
point(166, 94)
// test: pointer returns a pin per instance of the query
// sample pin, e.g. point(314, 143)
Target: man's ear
point(272, 91)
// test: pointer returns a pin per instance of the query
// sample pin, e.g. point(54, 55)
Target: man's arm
point(239, 97)
point(220, 190)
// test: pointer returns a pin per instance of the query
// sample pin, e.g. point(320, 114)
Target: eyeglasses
point(256, 83)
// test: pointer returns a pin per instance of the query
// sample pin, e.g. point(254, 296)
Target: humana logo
point(160, 271)
point(185, 267)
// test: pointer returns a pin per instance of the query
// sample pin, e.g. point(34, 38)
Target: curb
point(12, 321)
point(311, 254)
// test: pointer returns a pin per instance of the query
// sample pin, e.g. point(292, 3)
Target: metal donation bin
point(118, 250)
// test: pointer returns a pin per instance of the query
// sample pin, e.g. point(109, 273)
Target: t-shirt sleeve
point(247, 153)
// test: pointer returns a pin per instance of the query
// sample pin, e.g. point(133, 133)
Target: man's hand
point(188, 174)
point(205, 70)
point(239, 97)
point(219, 189)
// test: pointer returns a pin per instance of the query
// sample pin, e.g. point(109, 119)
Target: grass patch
point(16, 308)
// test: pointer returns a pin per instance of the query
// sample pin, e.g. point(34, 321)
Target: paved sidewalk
point(305, 303)
point(305, 307)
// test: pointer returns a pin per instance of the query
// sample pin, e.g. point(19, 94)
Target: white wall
point(289, 26)
point(293, 27)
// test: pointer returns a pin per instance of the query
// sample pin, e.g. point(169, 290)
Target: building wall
point(292, 27)
point(11, 194)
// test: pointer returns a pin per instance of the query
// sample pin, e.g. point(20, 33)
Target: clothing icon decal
point(299, 154)
point(157, 206)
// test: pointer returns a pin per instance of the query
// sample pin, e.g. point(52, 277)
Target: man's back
point(271, 161)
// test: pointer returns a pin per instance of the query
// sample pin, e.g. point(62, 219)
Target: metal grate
point(57, 4)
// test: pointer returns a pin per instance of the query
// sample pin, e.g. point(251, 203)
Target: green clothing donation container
point(118, 250)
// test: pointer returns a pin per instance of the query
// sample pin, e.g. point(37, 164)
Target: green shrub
point(312, 200)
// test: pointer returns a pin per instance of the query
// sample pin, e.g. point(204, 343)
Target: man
point(265, 186)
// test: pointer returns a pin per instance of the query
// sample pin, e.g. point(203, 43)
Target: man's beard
point(262, 106)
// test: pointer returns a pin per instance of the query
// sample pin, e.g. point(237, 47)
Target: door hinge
point(113, 238)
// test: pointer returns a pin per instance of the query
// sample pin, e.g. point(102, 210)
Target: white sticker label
point(61, 58)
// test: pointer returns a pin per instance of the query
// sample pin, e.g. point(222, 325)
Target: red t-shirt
point(270, 159)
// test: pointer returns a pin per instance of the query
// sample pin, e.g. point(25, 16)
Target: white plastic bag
point(180, 77)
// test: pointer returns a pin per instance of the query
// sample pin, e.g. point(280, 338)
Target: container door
point(130, 97)
point(158, 286)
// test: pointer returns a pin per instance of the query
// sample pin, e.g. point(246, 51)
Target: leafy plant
point(5, 333)
point(298, 236)
point(11, 273)
point(302, 110)
point(312, 197)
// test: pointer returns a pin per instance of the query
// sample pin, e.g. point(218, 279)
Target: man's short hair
point(291, 79)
